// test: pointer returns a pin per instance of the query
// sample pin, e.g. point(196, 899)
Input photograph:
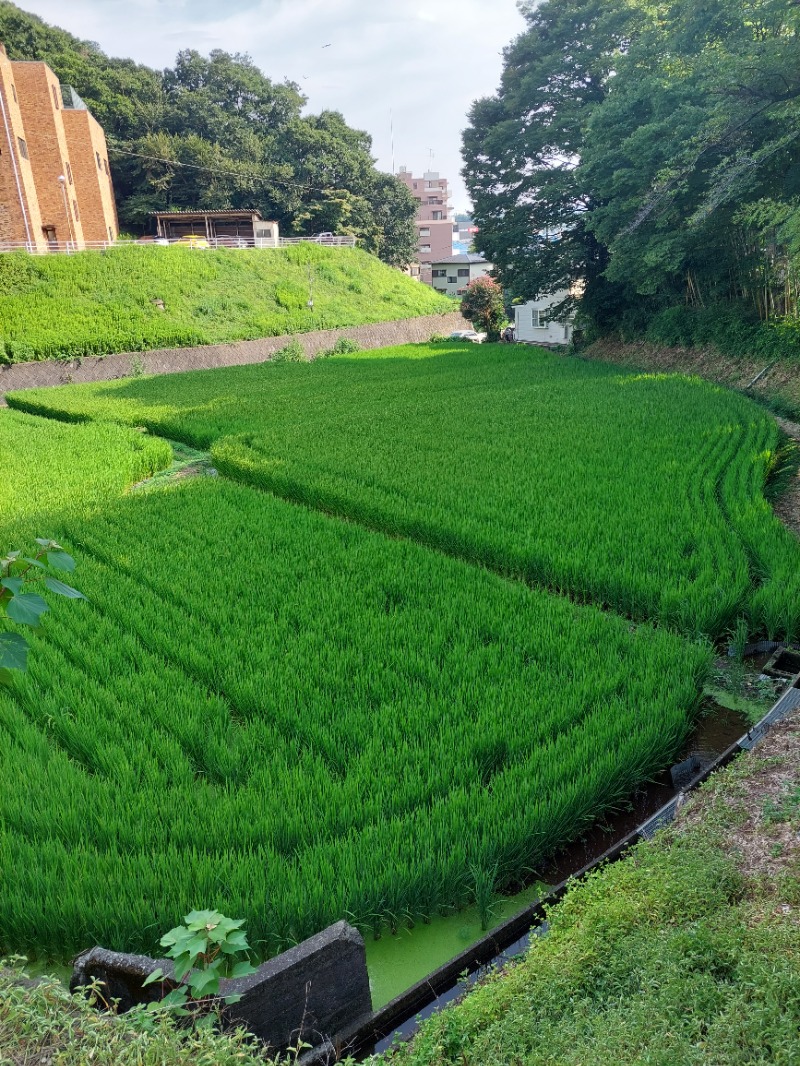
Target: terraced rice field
point(640, 492)
point(296, 718)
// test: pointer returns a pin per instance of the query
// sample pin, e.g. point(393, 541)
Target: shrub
point(484, 307)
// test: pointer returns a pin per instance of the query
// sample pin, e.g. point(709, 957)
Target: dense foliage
point(483, 306)
point(139, 297)
point(217, 133)
point(676, 956)
point(648, 151)
point(360, 743)
point(642, 492)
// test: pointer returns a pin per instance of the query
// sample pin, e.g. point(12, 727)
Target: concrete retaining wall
point(172, 360)
point(311, 992)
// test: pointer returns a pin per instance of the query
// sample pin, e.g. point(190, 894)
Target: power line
point(219, 170)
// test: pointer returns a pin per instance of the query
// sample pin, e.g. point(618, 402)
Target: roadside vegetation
point(640, 492)
point(142, 297)
point(686, 952)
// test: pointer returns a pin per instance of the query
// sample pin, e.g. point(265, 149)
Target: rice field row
point(643, 493)
point(295, 720)
point(47, 467)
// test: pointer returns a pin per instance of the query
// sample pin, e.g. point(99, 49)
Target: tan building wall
point(94, 192)
point(40, 102)
point(20, 220)
point(434, 218)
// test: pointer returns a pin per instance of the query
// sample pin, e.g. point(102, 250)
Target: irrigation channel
point(420, 955)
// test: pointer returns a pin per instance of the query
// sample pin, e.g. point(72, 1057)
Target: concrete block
point(311, 992)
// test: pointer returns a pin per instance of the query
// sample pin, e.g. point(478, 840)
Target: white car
point(467, 335)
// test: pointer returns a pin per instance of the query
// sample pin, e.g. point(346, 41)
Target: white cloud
point(424, 62)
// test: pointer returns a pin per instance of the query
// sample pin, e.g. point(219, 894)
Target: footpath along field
point(644, 493)
point(294, 719)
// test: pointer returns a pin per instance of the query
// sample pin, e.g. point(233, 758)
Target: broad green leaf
point(13, 584)
point(242, 969)
point(61, 561)
point(13, 651)
point(156, 975)
point(234, 997)
point(27, 609)
point(63, 590)
point(34, 562)
point(204, 982)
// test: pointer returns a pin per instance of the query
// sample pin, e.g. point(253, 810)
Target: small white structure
point(452, 274)
point(533, 323)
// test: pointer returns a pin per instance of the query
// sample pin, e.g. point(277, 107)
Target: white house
point(534, 324)
point(452, 274)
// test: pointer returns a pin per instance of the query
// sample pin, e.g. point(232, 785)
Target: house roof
point(244, 213)
point(463, 257)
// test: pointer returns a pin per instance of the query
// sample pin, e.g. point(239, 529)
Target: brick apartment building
point(434, 218)
point(55, 183)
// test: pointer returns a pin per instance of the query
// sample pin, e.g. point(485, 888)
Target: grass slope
point(685, 953)
point(642, 492)
point(96, 303)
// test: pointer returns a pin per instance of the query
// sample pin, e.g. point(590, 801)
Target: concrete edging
point(33, 375)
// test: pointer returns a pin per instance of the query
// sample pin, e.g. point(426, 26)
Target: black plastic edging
point(424, 993)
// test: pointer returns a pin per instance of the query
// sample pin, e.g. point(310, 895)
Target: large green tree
point(215, 132)
point(648, 150)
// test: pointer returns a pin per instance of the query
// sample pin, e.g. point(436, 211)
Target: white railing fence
point(198, 243)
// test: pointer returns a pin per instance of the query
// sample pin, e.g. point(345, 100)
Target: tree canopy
point(647, 150)
point(215, 132)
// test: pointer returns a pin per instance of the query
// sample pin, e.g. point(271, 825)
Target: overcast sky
point(423, 60)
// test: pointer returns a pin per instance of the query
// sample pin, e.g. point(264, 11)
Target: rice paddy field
point(273, 704)
point(642, 493)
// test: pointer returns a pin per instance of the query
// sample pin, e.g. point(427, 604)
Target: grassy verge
point(138, 298)
point(42, 1025)
point(687, 952)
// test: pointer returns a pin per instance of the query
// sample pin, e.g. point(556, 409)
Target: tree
point(215, 132)
point(483, 306)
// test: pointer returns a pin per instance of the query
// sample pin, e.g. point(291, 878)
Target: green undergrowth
point(96, 303)
point(640, 492)
point(41, 1024)
point(675, 956)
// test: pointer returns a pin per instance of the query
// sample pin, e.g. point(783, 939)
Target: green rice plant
point(639, 492)
point(294, 719)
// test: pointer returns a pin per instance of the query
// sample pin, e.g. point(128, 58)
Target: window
point(437, 216)
point(538, 319)
point(75, 209)
point(425, 248)
point(463, 272)
point(68, 170)
point(440, 273)
point(110, 234)
point(55, 97)
point(14, 91)
point(460, 292)
point(452, 281)
point(50, 235)
point(415, 184)
point(23, 148)
point(99, 164)
point(425, 231)
point(105, 165)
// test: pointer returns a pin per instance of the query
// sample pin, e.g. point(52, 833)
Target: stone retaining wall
point(171, 360)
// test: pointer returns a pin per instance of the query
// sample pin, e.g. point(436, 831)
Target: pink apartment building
point(434, 218)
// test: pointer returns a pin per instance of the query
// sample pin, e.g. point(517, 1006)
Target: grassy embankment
point(97, 303)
